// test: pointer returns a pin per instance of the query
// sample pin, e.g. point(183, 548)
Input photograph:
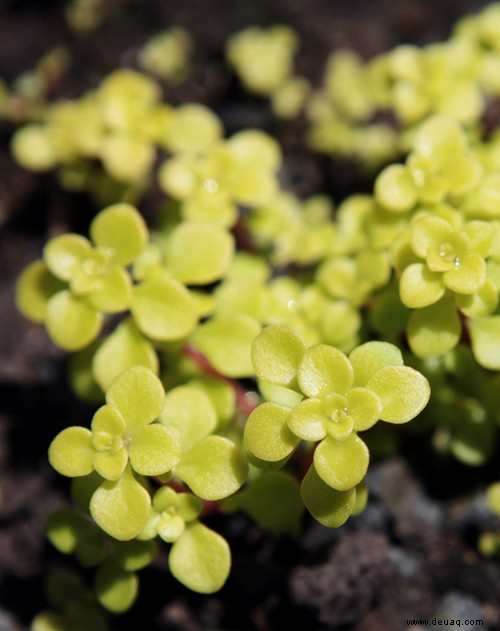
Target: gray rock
point(459, 610)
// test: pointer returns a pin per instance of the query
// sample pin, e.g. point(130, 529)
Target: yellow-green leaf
point(330, 507)
point(154, 450)
point(72, 322)
point(342, 464)
point(71, 452)
point(267, 435)
point(404, 392)
point(213, 468)
point(122, 229)
point(138, 395)
point(200, 559)
point(121, 508)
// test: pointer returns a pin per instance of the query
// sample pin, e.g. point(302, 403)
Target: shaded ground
point(412, 554)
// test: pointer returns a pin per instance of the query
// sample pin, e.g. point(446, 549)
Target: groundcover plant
point(241, 350)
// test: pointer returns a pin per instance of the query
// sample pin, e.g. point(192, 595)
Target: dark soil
point(413, 553)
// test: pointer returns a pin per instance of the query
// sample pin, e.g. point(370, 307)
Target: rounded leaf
point(138, 395)
point(194, 128)
point(125, 157)
point(163, 309)
point(253, 146)
point(364, 407)
point(71, 453)
point(468, 277)
point(267, 435)
point(114, 293)
point(485, 340)
point(324, 370)
point(123, 349)
point(480, 304)
point(200, 559)
point(134, 555)
point(419, 287)
point(395, 189)
point(110, 465)
point(72, 322)
point(122, 229)
point(154, 450)
point(34, 288)
point(64, 254)
point(286, 397)
point(434, 330)
point(214, 468)
point(115, 588)
point(190, 412)
point(226, 342)
point(198, 253)
point(428, 232)
point(307, 420)
point(33, 148)
point(276, 355)
point(121, 508)
point(107, 420)
point(370, 357)
point(272, 500)
point(404, 393)
point(65, 528)
point(330, 507)
point(342, 464)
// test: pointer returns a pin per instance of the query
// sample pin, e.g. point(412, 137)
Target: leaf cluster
point(240, 348)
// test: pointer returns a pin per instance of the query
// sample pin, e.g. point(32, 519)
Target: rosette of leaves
point(79, 281)
point(327, 398)
point(199, 557)
point(440, 167)
point(287, 301)
point(124, 442)
point(167, 55)
point(212, 182)
point(443, 269)
point(116, 124)
point(116, 583)
point(441, 78)
point(287, 229)
point(354, 278)
point(250, 52)
point(129, 106)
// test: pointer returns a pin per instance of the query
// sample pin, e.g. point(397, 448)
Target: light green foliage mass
point(339, 397)
point(243, 350)
point(167, 54)
point(78, 281)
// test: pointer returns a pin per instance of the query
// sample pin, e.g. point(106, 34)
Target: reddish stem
point(244, 401)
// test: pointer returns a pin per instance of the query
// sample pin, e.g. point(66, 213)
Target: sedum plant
point(137, 435)
point(242, 349)
point(327, 398)
point(78, 281)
